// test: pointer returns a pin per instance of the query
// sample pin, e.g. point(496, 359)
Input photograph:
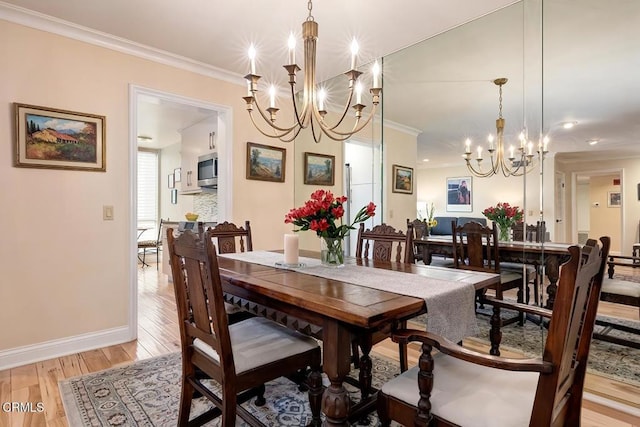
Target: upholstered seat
point(504, 400)
point(259, 341)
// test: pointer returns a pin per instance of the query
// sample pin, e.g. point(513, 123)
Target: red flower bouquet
point(323, 214)
point(505, 215)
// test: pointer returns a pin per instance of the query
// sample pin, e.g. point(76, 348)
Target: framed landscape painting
point(59, 139)
point(459, 194)
point(265, 163)
point(402, 179)
point(319, 169)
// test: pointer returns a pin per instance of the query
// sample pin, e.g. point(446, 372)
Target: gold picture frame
point(319, 169)
point(402, 179)
point(265, 162)
point(50, 138)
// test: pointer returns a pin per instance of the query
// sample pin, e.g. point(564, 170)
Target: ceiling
point(590, 52)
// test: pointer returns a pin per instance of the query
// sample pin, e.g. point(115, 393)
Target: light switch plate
point(107, 213)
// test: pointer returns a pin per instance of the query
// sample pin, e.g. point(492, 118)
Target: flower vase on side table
point(332, 251)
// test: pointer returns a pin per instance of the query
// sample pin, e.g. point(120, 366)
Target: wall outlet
point(107, 213)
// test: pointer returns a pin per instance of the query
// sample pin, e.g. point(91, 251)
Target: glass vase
point(504, 233)
point(332, 251)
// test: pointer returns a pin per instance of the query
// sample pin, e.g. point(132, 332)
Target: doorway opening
point(157, 122)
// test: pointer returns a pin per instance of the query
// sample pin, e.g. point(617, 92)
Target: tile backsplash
point(206, 205)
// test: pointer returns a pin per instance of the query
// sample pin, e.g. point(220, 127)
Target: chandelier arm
point(344, 111)
point(269, 121)
point(300, 118)
point(357, 127)
point(478, 172)
point(268, 135)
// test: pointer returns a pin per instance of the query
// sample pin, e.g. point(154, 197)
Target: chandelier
point(515, 163)
point(311, 113)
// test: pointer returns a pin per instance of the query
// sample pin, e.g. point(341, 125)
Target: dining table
point(362, 301)
point(547, 257)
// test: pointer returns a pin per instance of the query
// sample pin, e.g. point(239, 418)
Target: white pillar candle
point(290, 248)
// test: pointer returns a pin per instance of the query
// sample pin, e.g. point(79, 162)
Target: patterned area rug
point(147, 392)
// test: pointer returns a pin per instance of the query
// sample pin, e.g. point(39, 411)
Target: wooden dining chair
point(381, 242)
point(420, 230)
point(241, 357)
point(475, 248)
point(462, 387)
point(230, 238)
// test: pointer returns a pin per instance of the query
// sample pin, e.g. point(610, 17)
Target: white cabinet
point(197, 140)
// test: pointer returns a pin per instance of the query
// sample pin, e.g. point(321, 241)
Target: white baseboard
point(25, 355)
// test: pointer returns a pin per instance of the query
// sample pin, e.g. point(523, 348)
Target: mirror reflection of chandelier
point(517, 162)
point(311, 113)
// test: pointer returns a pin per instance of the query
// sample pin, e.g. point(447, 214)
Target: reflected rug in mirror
point(147, 393)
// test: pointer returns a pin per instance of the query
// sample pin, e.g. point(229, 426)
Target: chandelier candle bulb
point(354, 53)
point(272, 97)
point(490, 139)
point(479, 152)
point(511, 149)
point(292, 49)
point(358, 93)
point(322, 94)
point(291, 245)
point(467, 144)
point(252, 58)
point(376, 74)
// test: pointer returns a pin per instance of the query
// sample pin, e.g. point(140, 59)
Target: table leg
point(552, 266)
point(336, 361)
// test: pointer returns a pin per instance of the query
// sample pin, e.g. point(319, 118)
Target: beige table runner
point(449, 294)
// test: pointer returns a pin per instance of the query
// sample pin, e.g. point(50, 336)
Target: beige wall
point(399, 148)
point(605, 220)
point(65, 271)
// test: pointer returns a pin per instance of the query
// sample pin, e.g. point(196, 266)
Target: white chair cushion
point(517, 267)
point(259, 341)
point(509, 276)
point(621, 287)
point(471, 395)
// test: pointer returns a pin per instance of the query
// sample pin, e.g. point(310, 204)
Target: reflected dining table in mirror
point(546, 257)
point(337, 306)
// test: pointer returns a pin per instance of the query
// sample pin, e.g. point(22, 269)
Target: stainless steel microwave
point(208, 170)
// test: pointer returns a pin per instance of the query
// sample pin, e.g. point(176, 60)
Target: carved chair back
point(475, 247)
point(380, 242)
point(230, 237)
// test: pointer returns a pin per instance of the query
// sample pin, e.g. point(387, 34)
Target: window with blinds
point(148, 201)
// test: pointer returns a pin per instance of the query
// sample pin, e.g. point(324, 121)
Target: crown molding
point(50, 24)
point(400, 127)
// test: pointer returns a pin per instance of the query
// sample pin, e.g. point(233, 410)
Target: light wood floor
point(158, 334)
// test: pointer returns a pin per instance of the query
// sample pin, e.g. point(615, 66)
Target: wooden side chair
point(151, 245)
point(227, 234)
point(240, 357)
point(462, 387)
point(475, 248)
point(382, 241)
point(419, 231)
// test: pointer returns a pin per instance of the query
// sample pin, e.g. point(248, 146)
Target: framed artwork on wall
point(613, 199)
point(319, 169)
point(402, 179)
point(177, 174)
point(265, 163)
point(50, 138)
point(459, 194)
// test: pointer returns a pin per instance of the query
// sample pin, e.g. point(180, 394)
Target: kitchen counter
point(166, 268)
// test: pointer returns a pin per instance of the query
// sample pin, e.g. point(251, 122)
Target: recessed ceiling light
point(593, 141)
point(425, 160)
point(569, 125)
